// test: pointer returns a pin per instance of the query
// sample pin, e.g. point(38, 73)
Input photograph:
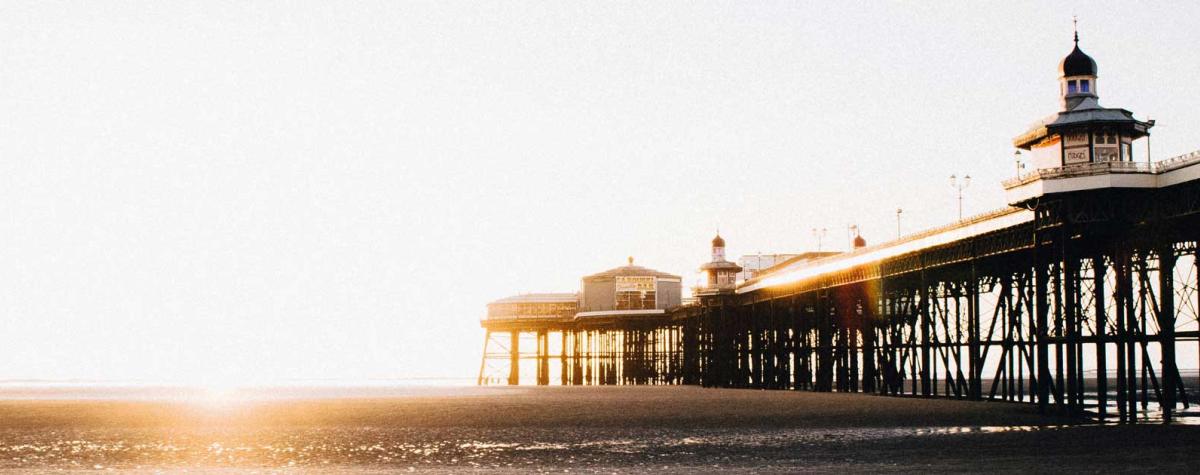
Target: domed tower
point(1076, 77)
point(1082, 131)
point(718, 248)
point(722, 274)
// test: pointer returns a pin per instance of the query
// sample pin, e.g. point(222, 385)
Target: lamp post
point(1020, 165)
point(960, 185)
point(898, 211)
point(819, 234)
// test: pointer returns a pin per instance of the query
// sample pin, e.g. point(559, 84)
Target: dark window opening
point(643, 300)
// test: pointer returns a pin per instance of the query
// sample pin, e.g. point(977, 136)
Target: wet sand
point(579, 429)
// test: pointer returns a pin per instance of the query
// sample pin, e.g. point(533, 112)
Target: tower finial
point(1075, 21)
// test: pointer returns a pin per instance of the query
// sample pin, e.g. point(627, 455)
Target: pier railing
point(1100, 168)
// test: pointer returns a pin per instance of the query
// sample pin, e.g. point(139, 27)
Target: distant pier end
point(625, 298)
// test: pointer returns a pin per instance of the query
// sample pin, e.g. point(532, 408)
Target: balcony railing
point(1101, 168)
point(1175, 163)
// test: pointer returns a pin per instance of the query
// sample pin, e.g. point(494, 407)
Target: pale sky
point(254, 191)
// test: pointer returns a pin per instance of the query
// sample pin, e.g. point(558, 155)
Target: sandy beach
point(576, 429)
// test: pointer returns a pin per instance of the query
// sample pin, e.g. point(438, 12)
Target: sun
point(220, 392)
point(216, 392)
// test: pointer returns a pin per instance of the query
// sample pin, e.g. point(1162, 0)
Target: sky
point(214, 192)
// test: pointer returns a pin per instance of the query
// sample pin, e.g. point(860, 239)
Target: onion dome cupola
point(718, 248)
point(1077, 77)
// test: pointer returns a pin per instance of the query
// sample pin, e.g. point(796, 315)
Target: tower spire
point(1075, 22)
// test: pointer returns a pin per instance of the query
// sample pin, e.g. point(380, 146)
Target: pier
point(1076, 297)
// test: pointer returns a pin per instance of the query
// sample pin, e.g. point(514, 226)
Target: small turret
point(718, 248)
point(722, 274)
point(1077, 77)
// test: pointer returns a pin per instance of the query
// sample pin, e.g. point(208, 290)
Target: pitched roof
point(630, 271)
point(560, 297)
point(802, 257)
point(720, 265)
point(1087, 111)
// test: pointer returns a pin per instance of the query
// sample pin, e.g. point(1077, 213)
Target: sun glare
point(220, 394)
point(217, 392)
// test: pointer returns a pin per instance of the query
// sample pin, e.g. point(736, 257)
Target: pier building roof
point(799, 270)
point(537, 307)
point(721, 265)
point(540, 298)
point(798, 258)
point(1087, 112)
point(630, 271)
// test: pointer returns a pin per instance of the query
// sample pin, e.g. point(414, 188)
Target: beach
point(559, 429)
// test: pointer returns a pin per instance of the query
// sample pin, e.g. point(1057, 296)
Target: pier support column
point(1130, 339)
point(576, 359)
point(926, 324)
point(543, 358)
point(825, 364)
point(564, 376)
point(514, 358)
point(1166, 332)
point(1042, 333)
point(872, 307)
point(974, 335)
point(1121, 266)
point(487, 337)
point(1101, 331)
point(1072, 315)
